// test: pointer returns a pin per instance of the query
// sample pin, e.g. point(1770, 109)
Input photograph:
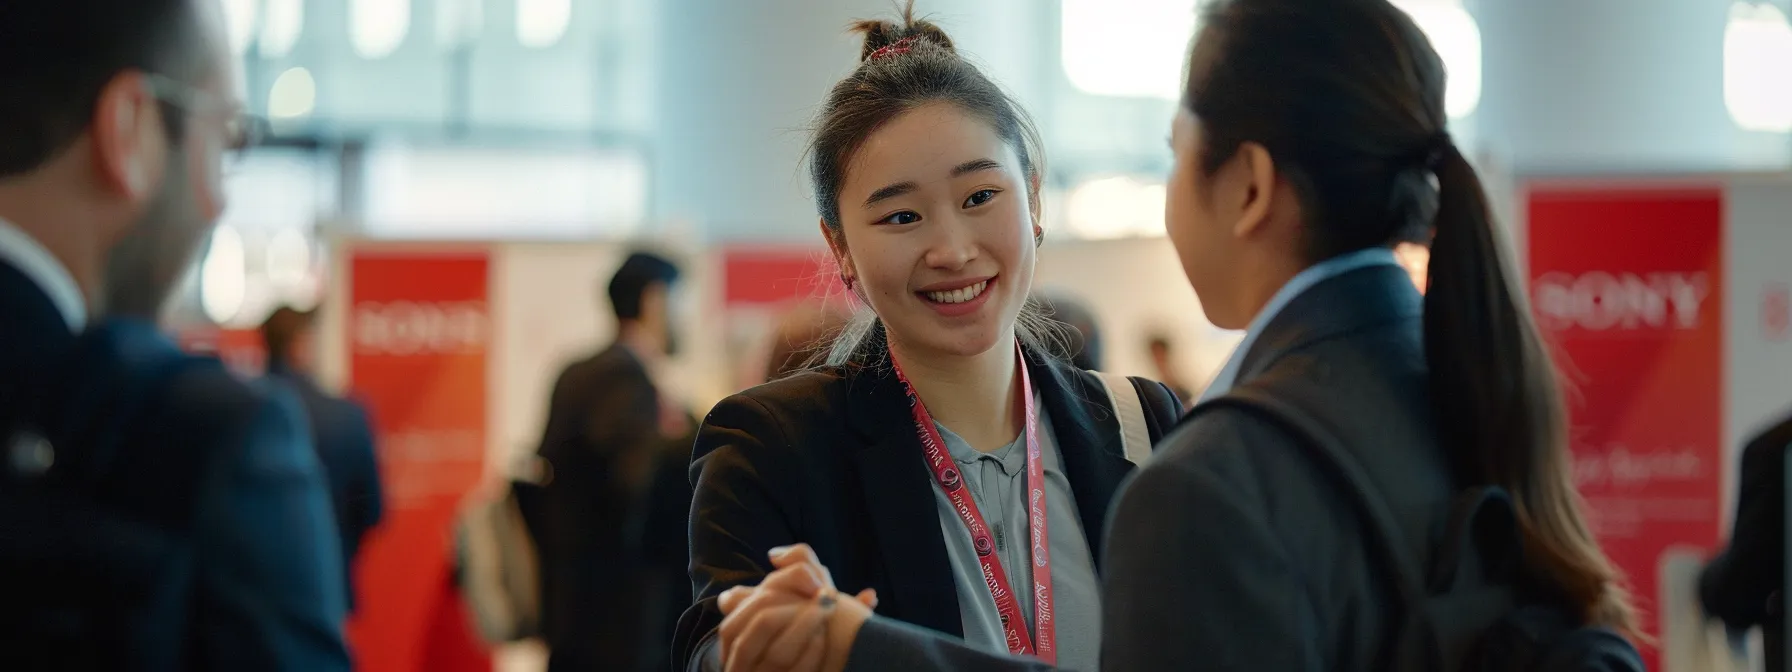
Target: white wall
point(1758, 251)
point(1614, 85)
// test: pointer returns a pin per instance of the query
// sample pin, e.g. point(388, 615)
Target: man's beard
point(144, 266)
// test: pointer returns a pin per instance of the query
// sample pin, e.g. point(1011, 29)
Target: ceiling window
point(281, 23)
point(1457, 39)
point(376, 28)
point(1757, 52)
point(1129, 48)
point(239, 24)
point(541, 23)
point(1137, 48)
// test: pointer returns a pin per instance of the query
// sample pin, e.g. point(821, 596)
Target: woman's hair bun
point(882, 34)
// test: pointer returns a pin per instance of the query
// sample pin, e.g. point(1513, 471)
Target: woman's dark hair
point(281, 330)
point(1347, 96)
point(902, 67)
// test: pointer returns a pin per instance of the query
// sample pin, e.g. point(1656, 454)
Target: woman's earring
point(846, 280)
point(1038, 235)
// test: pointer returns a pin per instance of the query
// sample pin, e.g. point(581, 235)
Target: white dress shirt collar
point(23, 252)
point(1300, 283)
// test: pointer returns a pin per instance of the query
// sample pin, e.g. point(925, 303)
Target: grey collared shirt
point(997, 482)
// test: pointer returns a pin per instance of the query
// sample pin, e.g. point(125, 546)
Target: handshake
point(794, 620)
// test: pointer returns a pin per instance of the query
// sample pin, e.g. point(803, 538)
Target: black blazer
point(1745, 585)
point(344, 439)
point(1231, 550)
point(200, 492)
point(830, 458)
point(601, 437)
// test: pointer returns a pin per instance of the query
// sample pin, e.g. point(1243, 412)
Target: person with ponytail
point(946, 462)
point(1311, 140)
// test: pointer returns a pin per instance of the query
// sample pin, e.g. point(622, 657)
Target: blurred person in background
point(156, 513)
point(1311, 138)
point(1083, 338)
point(606, 433)
point(802, 337)
point(947, 401)
point(1745, 584)
point(339, 429)
point(1163, 360)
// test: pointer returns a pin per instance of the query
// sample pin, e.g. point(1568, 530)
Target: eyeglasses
point(242, 130)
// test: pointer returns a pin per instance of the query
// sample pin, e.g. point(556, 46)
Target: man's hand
point(794, 620)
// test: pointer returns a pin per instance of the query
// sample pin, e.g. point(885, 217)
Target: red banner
point(1629, 286)
point(418, 331)
point(774, 275)
point(240, 349)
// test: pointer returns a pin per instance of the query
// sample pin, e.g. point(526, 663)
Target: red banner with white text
point(418, 334)
point(1629, 287)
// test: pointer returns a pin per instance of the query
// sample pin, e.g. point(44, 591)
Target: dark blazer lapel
point(899, 496)
point(1088, 439)
point(1352, 302)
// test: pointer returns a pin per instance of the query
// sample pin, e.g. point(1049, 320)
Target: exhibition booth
point(1668, 301)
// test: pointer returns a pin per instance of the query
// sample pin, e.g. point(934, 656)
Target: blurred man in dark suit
point(1745, 585)
point(339, 429)
point(604, 436)
point(155, 512)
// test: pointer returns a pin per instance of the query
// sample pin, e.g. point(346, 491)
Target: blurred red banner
point(240, 349)
point(1629, 287)
point(418, 332)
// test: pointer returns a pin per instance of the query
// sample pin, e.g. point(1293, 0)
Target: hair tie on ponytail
point(1438, 149)
point(898, 47)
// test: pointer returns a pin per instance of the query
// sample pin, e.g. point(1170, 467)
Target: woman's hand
point(794, 620)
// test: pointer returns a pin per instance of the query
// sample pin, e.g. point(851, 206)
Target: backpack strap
point(1386, 537)
point(1123, 397)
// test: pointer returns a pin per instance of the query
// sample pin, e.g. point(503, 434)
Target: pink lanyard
point(945, 473)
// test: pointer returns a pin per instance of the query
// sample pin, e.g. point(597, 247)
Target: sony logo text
point(1601, 301)
point(418, 328)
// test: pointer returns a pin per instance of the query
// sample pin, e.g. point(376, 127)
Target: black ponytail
point(1497, 395)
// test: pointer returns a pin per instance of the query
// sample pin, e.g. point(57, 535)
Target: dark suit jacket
point(831, 458)
point(233, 562)
point(344, 440)
point(601, 438)
point(1230, 550)
point(1745, 585)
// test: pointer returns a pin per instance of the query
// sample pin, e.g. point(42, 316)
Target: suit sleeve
point(269, 569)
point(1196, 576)
point(1739, 583)
point(889, 645)
point(741, 508)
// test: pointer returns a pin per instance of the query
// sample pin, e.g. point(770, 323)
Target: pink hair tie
point(898, 47)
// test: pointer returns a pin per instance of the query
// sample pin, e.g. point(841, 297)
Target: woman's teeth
point(959, 295)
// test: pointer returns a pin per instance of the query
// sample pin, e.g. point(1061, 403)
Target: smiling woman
point(947, 460)
point(869, 165)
